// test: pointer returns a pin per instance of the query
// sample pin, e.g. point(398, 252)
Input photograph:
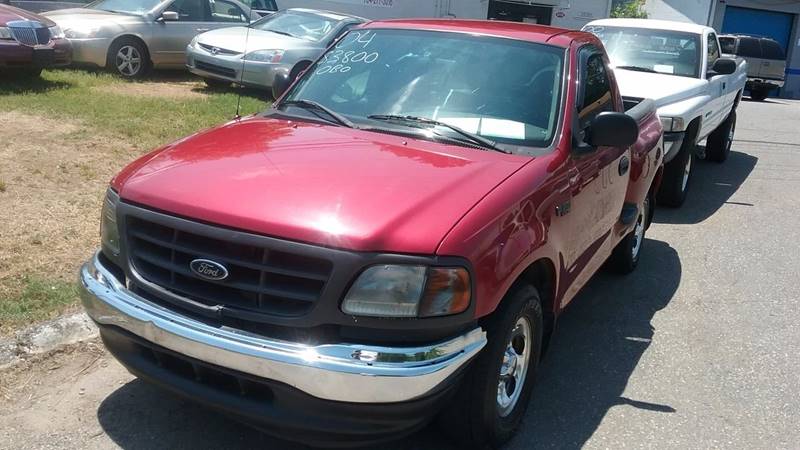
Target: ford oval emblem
point(210, 270)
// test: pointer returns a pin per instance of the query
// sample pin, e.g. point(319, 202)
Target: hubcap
point(128, 60)
point(686, 170)
point(638, 232)
point(514, 367)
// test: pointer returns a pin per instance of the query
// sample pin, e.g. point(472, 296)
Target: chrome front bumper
point(340, 372)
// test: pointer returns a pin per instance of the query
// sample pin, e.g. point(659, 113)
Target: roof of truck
point(513, 30)
point(653, 24)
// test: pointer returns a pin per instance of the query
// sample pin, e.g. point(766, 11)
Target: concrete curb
point(45, 337)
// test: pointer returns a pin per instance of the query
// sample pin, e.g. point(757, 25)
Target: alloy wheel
point(514, 368)
point(128, 61)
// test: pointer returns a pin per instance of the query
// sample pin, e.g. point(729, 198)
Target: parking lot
point(697, 349)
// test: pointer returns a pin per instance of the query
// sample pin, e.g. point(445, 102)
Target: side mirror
point(169, 16)
point(280, 85)
point(612, 129)
point(722, 66)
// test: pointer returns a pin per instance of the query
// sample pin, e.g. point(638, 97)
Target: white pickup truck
point(696, 90)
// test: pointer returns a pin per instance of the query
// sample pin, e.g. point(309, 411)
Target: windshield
point(661, 51)
point(502, 89)
point(125, 6)
point(309, 26)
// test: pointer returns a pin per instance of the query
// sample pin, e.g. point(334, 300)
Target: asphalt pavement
point(699, 348)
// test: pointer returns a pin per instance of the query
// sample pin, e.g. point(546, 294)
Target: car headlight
point(81, 30)
point(672, 124)
point(409, 291)
point(56, 32)
point(270, 56)
point(109, 231)
point(5, 33)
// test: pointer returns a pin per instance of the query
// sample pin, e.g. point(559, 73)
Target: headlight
point(81, 30)
point(109, 232)
point(672, 124)
point(270, 56)
point(409, 291)
point(56, 32)
point(5, 33)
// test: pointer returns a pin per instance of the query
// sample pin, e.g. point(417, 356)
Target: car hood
point(11, 13)
point(663, 89)
point(237, 39)
point(76, 17)
point(321, 184)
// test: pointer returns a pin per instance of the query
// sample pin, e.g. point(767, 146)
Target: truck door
point(598, 176)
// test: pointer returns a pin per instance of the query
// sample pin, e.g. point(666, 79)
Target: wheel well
point(542, 275)
point(128, 37)
point(693, 128)
point(300, 66)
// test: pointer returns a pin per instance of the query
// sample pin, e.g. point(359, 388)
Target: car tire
point(677, 175)
point(128, 58)
point(718, 145)
point(625, 256)
point(213, 83)
point(759, 95)
point(484, 413)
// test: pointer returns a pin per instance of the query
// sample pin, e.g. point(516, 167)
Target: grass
point(146, 116)
point(39, 299)
point(75, 129)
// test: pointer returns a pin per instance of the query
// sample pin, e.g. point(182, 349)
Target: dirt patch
point(174, 89)
point(54, 175)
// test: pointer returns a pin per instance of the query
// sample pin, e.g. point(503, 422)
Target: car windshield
point(125, 6)
point(661, 51)
point(303, 25)
point(505, 90)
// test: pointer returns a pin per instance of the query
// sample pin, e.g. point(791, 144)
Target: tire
point(297, 69)
point(759, 95)
point(718, 145)
point(128, 58)
point(477, 417)
point(625, 256)
point(677, 175)
point(213, 83)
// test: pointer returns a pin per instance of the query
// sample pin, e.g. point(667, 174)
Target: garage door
point(772, 24)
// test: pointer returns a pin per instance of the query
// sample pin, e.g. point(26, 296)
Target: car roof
point(496, 28)
point(329, 14)
point(654, 24)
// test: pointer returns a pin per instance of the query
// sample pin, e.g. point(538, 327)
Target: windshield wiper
point(312, 105)
point(637, 69)
point(281, 32)
point(474, 139)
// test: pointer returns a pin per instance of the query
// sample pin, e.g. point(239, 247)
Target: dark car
point(30, 43)
point(766, 62)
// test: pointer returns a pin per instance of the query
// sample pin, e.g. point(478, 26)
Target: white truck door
point(718, 105)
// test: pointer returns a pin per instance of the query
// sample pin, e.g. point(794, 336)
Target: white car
point(680, 66)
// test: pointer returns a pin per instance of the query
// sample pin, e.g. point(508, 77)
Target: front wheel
point(626, 254)
point(495, 393)
point(718, 146)
point(759, 95)
point(677, 174)
point(128, 58)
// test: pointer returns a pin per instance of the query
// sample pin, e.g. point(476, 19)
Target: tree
point(632, 9)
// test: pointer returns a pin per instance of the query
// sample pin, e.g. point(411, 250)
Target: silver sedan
point(286, 42)
point(132, 36)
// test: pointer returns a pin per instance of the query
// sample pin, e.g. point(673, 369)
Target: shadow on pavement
point(598, 343)
point(712, 186)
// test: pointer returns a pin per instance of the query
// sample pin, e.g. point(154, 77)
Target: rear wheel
point(718, 146)
point(677, 174)
point(626, 254)
point(759, 95)
point(128, 58)
point(495, 393)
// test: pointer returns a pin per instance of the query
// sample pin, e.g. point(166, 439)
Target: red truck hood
point(327, 185)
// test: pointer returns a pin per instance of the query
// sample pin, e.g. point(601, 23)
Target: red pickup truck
point(391, 242)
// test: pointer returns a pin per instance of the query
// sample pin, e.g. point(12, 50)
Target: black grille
point(260, 279)
point(218, 51)
point(31, 36)
point(215, 69)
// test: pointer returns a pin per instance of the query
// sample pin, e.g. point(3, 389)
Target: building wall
point(695, 11)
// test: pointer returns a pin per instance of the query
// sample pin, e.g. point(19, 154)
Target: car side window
point(225, 11)
point(189, 10)
point(728, 45)
point(772, 50)
point(749, 47)
point(713, 49)
point(597, 95)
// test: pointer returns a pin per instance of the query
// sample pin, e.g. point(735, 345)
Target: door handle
point(624, 165)
point(203, 30)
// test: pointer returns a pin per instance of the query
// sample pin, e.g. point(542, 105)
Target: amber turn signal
point(447, 292)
